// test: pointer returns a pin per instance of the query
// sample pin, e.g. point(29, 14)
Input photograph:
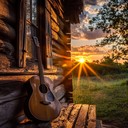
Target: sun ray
point(71, 70)
point(79, 74)
point(93, 71)
point(85, 70)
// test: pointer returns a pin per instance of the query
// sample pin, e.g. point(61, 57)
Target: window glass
point(31, 27)
point(34, 12)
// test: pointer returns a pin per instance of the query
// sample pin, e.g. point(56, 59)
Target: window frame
point(41, 33)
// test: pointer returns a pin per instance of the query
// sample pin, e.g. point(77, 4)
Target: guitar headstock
point(35, 39)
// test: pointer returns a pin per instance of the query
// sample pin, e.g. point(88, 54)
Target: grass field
point(110, 94)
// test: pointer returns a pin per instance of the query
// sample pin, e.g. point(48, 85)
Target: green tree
point(107, 60)
point(113, 20)
point(126, 65)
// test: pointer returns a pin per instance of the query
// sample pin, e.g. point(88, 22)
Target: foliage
point(109, 94)
point(113, 20)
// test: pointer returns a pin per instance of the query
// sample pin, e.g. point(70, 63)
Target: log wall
point(7, 32)
point(61, 39)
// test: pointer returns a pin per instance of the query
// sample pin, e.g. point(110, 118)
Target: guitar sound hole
point(43, 88)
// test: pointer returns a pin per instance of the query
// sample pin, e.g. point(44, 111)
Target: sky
point(82, 37)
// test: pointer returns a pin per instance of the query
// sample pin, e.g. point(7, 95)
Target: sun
point(81, 60)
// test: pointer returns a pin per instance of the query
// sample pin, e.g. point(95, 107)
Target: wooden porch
point(71, 116)
point(76, 116)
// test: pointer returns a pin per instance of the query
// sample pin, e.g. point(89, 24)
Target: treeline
point(105, 67)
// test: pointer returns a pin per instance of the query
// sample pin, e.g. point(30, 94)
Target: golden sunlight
point(82, 65)
point(81, 60)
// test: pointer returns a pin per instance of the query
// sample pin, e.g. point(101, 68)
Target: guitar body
point(37, 110)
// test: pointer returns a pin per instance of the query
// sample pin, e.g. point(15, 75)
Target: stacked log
point(7, 32)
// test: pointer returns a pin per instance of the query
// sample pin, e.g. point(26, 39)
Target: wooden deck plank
point(55, 123)
point(82, 118)
point(59, 122)
point(92, 116)
point(76, 116)
point(73, 116)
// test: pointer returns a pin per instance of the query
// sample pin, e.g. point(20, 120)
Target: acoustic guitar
point(42, 103)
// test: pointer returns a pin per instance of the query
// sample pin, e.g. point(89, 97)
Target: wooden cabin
point(50, 21)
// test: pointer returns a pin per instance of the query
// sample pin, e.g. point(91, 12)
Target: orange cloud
point(88, 51)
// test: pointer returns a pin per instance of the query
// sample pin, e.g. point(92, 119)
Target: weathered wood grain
point(73, 116)
point(92, 116)
point(48, 6)
point(22, 78)
point(57, 45)
point(57, 7)
point(63, 100)
point(58, 81)
point(76, 116)
point(21, 38)
point(62, 118)
point(56, 123)
point(59, 91)
point(6, 30)
point(57, 19)
point(58, 40)
point(56, 37)
point(82, 117)
point(55, 26)
point(7, 11)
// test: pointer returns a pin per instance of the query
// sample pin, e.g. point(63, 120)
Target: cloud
point(88, 49)
point(93, 35)
point(92, 2)
point(89, 52)
point(81, 31)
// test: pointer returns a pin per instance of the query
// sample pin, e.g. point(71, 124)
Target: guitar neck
point(40, 66)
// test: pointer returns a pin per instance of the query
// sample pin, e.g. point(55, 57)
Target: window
point(31, 28)
point(27, 28)
point(34, 21)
